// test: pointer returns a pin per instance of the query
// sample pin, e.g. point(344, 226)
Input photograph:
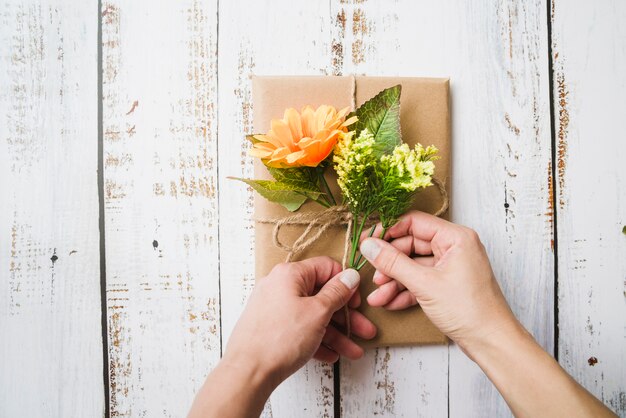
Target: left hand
point(292, 315)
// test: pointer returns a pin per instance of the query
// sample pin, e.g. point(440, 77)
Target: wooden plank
point(161, 215)
point(589, 53)
point(367, 38)
point(262, 38)
point(502, 168)
point(50, 310)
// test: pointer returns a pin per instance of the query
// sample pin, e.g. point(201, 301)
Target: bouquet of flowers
point(377, 173)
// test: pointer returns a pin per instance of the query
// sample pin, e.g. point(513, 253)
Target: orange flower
point(302, 139)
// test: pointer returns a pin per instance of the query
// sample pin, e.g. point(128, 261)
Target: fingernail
point(376, 276)
point(372, 294)
point(370, 249)
point(350, 278)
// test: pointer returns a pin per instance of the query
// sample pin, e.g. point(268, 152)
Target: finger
point(393, 263)
point(379, 278)
point(359, 324)
point(355, 300)
point(326, 355)
point(403, 300)
point(403, 244)
point(338, 291)
point(312, 272)
point(385, 293)
point(341, 344)
point(419, 225)
point(426, 261)
point(410, 245)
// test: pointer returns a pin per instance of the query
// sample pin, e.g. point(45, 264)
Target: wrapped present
point(425, 118)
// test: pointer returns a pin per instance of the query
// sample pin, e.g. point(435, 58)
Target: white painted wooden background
point(164, 101)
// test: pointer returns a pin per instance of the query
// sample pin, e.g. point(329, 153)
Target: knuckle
point(282, 269)
point(389, 260)
point(323, 302)
point(332, 295)
point(470, 236)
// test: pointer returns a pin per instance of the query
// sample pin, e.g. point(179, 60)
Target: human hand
point(443, 267)
point(293, 315)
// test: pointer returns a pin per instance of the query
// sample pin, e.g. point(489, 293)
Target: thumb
point(392, 262)
point(338, 290)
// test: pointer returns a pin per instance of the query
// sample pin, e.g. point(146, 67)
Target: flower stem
point(326, 204)
point(358, 260)
point(323, 203)
point(355, 240)
point(360, 266)
point(322, 181)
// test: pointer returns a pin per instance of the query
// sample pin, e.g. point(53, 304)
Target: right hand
point(443, 267)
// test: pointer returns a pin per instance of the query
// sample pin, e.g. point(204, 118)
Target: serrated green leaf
point(301, 178)
point(381, 116)
point(288, 195)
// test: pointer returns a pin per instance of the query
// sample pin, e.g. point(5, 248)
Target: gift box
point(424, 117)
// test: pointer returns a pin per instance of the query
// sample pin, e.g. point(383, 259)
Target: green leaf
point(252, 139)
point(301, 178)
point(381, 116)
point(624, 230)
point(287, 195)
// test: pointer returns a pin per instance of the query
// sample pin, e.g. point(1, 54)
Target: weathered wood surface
point(50, 333)
point(160, 195)
point(589, 52)
point(502, 118)
point(179, 234)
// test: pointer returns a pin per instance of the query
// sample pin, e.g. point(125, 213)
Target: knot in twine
point(333, 216)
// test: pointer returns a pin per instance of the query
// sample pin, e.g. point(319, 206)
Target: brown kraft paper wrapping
point(425, 118)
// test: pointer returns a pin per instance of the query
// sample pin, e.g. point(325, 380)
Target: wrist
point(235, 388)
point(257, 375)
point(507, 335)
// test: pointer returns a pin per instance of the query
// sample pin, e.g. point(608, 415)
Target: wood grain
point(267, 38)
point(589, 52)
point(501, 169)
point(179, 234)
point(161, 214)
point(50, 333)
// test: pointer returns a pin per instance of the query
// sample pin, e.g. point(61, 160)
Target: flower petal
point(350, 121)
point(253, 152)
point(282, 133)
point(292, 118)
point(269, 138)
point(294, 157)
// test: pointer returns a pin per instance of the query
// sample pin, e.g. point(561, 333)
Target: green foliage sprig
point(377, 173)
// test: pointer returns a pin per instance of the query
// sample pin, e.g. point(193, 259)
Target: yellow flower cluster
point(371, 182)
point(352, 158)
point(414, 168)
